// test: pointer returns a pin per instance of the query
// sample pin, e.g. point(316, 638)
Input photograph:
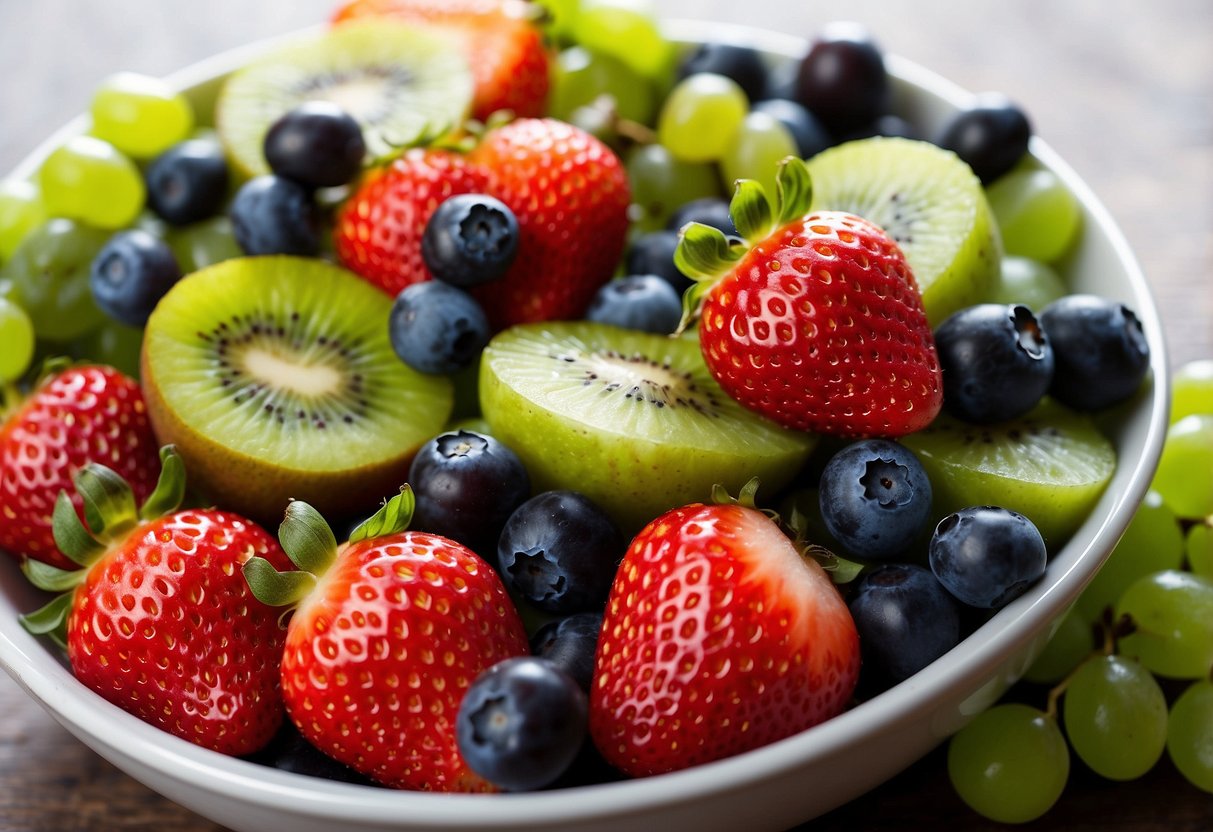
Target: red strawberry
point(378, 230)
point(161, 622)
point(719, 637)
point(570, 194)
point(510, 65)
point(379, 656)
point(820, 325)
point(78, 415)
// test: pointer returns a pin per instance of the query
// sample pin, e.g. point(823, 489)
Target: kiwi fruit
point(926, 199)
point(632, 420)
point(1050, 465)
point(276, 379)
point(398, 81)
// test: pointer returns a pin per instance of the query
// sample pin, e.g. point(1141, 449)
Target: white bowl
point(771, 788)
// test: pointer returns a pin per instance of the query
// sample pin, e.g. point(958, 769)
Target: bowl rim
point(100, 724)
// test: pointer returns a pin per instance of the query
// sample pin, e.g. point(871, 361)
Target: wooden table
point(1123, 90)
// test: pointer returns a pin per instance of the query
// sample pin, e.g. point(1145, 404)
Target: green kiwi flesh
point(1051, 466)
point(276, 379)
point(397, 81)
point(926, 199)
point(632, 420)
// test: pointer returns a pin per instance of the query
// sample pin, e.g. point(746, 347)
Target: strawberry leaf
point(109, 503)
point(73, 539)
point(307, 539)
point(751, 211)
point(170, 488)
point(274, 588)
point(794, 188)
point(394, 517)
point(50, 620)
point(52, 578)
point(704, 253)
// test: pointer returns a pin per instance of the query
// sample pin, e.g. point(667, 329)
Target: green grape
point(1153, 542)
point(114, 345)
point(140, 115)
point(627, 30)
point(1190, 734)
point(1173, 612)
point(89, 180)
point(701, 117)
point(49, 275)
point(1192, 389)
point(21, 211)
point(1010, 764)
point(1037, 214)
point(203, 244)
point(561, 18)
point(1067, 647)
point(761, 143)
point(661, 183)
point(1183, 477)
point(1029, 282)
point(1199, 548)
point(582, 77)
point(17, 336)
point(1116, 717)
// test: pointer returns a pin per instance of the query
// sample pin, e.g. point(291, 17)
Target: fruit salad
point(471, 398)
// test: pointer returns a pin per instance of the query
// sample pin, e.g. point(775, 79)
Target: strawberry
point(719, 637)
point(75, 416)
point(378, 230)
point(819, 325)
point(160, 621)
point(511, 67)
point(384, 642)
point(570, 194)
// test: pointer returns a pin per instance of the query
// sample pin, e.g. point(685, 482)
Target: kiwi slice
point(1051, 466)
point(398, 81)
point(926, 199)
point(276, 379)
point(632, 420)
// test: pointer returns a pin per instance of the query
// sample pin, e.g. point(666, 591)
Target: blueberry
point(521, 723)
point(466, 486)
point(437, 328)
point(808, 131)
point(887, 125)
point(470, 239)
point(1100, 351)
point(987, 556)
point(559, 551)
point(642, 301)
point(289, 751)
point(653, 253)
point(740, 63)
point(570, 643)
point(842, 78)
point(996, 360)
point(188, 182)
point(905, 619)
point(711, 210)
point(875, 498)
point(991, 136)
point(130, 275)
point(272, 215)
point(317, 144)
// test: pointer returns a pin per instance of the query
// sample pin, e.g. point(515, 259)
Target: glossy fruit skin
point(558, 551)
point(317, 144)
point(810, 135)
point(82, 414)
point(470, 239)
point(433, 616)
point(740, 63)
point(568, 246)
point(131, 274)
point(776, 330)
point(875, 498)
point(437, 328)
point(987, 556)
point(990, 136)
point(1101, 352)
point(842, 79)
point(570, 644)
point(272, 215)
point(710, 210)
point(641, 301)
point(188, 182)
point(998, 361)
point(653, 253)
point(165, 627)
point(718, 638)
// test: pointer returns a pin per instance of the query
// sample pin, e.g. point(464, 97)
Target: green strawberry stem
point(307, 538)
point(109, 503)
point(170, 487)
point(394, 517)
point(73, 539)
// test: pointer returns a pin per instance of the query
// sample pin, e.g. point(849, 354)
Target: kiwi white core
point(290, 373)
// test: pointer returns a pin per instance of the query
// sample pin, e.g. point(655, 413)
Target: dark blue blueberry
point(997, 362)
point(466, 486)
point(272, 215)
point(130, 275)
point(808, 131)
point(289, 751)
point(521, 724)
point(559, 551)
point(842, 78)
point(991, 136)
point(570, 643)
point(987, 556)
point(875, 498)
point(887, 125)
point(188, 182)
point(653, 253)
point(711, 210)
point(317, 144)
point(470, 239)
point(1099, 349)
point(642, 301)
point(742, 64)
point(905, 619)
point(437, 328)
